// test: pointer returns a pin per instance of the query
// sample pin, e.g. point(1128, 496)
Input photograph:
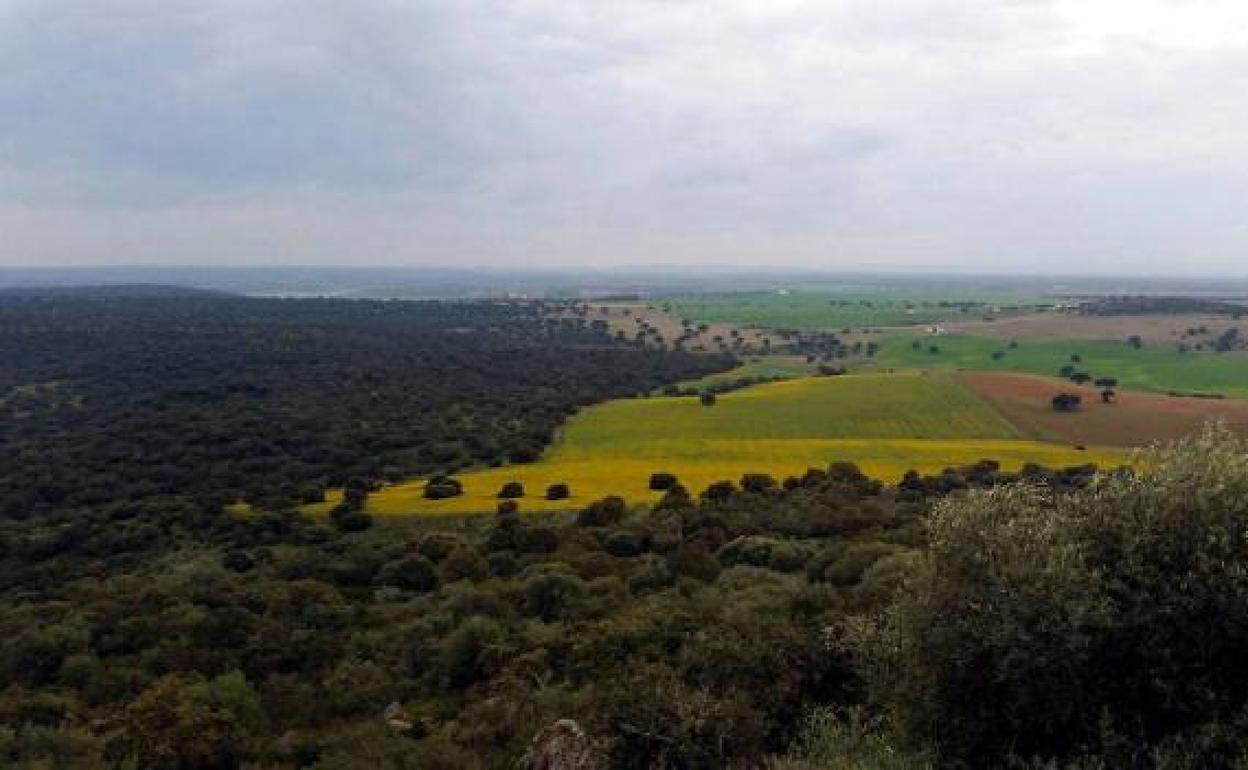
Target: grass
point(853, 406)
point(886, 423)
point(1149, 368)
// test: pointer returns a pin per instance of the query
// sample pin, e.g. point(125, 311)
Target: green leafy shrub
point(1053, 624)
point(602, 513)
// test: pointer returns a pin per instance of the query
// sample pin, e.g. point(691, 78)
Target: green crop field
point(862, 406)
point(831, 310)
point(1148, 368)
point(887, 423)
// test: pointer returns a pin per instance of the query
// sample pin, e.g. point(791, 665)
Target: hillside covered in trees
point(211, 400)
point(972, 618)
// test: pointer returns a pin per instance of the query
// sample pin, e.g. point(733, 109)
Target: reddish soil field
point(1134, 419)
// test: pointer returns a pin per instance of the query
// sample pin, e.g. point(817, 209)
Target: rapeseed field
point(887, 423)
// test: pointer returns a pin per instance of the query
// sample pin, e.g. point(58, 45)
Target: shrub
point(652, 576)
point(693, 561)
point(436, 546)
point(349, 519)
point(411, 573)
point(787, 557)
point(238, 561)
point(757, 482)
point(472, 653)
point(1048, 622)
point(550, 596)
point(719, 491)
point(747, 549)
point(623, 544)
point(847, 741)
point(502, 564)
point(848, 564)
point(602, 513)
point(1066, 402)
point(537, 539)
point(676, 497)
point(464, 563)
point(558, 492)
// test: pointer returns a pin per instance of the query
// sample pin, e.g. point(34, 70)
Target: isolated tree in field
point(707, 399)
point(757, 482)
point(997, 355)
point(1066, 370)
point(510, 490)
point(1080, 378)
point(355, 492)
point(441, 487)
point(1135, 341)
point(661, 482)
point(933, 349)
point(1066, 402)
point(558, 492)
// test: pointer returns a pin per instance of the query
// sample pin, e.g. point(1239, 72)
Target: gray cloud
point(1006, 134)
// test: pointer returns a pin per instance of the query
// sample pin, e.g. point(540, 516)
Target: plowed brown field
point(1135, 419)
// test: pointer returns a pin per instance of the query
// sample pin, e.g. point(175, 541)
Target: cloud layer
point(1030, 135)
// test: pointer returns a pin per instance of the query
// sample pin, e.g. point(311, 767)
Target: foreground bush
point(1108, 622)
point(834, 741)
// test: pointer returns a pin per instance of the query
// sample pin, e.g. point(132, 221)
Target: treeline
point(1147, 305)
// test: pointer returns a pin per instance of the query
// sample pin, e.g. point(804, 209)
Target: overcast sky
point(1029, 135)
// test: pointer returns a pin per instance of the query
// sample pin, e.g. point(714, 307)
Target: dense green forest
point(974, 618)
point(211, 399)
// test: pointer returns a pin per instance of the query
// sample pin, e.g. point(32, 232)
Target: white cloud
point(1016, 134)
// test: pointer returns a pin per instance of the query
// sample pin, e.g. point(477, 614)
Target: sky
point(1030, 136)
